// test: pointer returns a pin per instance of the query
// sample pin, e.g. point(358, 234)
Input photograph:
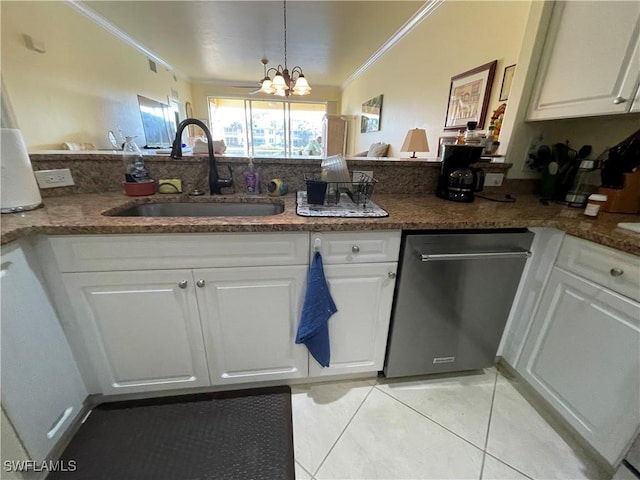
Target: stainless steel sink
point(200, 209)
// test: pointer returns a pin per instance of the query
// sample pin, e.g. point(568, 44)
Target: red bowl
point(134, 189)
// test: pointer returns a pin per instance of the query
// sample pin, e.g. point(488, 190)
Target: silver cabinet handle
point(426, 257)
point(183, 284)
point(616, 272)
point(355, 249)
point(619, 100)
point(200, 283)
point(392, 275)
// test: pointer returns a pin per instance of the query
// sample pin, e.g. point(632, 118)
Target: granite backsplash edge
point(103, 173)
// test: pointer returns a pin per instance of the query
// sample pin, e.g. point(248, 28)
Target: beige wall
point(414, 76)
point(85, 84)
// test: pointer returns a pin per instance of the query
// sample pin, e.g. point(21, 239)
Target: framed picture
point(507, 78)
point(371, 113)
point(469, 97)
point(442, 141)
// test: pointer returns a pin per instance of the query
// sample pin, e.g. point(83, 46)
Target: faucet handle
point(227, 182)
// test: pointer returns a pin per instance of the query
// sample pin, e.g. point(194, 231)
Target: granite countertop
point(83, 214)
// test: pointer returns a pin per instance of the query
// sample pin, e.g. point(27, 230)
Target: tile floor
point(474, 426)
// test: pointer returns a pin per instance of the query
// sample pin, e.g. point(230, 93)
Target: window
point(157, 123)
point(265, 128)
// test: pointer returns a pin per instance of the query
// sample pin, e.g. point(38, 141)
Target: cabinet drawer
point(357, 247)
point(615, 270)
point(86, 253)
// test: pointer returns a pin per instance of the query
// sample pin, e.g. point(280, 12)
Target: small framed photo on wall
point(507, 79)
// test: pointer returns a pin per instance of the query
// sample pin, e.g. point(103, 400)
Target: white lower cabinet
point(147, 325)
point(363, 294)
point(360, 268)
point(249, 321)
point(42, 390)
point(583, 357)
point(141, 328)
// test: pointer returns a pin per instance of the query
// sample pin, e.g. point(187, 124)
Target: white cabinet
point(590, 63)
point(360, 268)
point(583, 354)
point(148, 325)
point(141, 328)
point(363, 294)
point(249, 320)
point(42, 391)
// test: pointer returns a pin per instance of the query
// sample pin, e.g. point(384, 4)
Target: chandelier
point(284, 81)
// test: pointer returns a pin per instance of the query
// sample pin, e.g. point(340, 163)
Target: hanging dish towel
point(318, 307)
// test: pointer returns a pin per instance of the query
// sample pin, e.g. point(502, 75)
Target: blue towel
point(313, 330)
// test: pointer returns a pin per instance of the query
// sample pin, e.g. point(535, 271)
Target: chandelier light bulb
point(278, 82)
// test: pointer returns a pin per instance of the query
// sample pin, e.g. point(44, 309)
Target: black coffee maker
point(458, 180)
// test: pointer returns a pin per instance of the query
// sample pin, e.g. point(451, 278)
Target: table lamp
point(415, 141)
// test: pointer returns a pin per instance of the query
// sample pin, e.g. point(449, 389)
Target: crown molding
point(98, 19)
point(424, 11)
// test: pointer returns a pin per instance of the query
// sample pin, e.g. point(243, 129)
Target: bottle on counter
point(135, 170)
point(460, 139)
point(251, 179)
point(594, 204)
point(471, 136)
point(488, 141)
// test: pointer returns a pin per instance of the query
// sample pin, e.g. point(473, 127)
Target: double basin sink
point(217, 208)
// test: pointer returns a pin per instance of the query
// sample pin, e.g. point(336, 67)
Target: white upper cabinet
point(590, 64)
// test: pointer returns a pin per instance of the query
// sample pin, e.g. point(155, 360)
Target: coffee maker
point(458, 180)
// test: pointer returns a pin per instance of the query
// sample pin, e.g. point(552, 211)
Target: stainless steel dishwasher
point(452, 300)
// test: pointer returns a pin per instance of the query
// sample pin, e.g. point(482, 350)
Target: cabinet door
point(249, 319)
point(583, 357)
point(358, 331)
point(42, 391)
point(590, 63)
point(142, 328)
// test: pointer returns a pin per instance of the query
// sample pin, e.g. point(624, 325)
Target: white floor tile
point(320, 413)
point(301, 473)
point(387, 440)
point(520, 437)
point(496, 470)
point(459, 403)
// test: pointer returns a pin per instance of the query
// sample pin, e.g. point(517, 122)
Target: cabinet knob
point(183, 284)
point(616, 272)
point(392, 275)
point(619, 100)
point(200, 283)
point(355, 249)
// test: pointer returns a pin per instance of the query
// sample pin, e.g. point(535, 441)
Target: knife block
point(625, 199)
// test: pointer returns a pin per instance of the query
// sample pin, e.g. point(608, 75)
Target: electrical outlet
point(361, 175)
point(54, 178)
point(493, 179)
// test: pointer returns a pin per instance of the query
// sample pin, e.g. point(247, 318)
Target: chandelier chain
point(285, 34)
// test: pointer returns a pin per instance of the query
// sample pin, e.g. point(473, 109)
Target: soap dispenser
point(251, 179)
point(135, 171)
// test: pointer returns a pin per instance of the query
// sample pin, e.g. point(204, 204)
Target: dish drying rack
point(359, 192)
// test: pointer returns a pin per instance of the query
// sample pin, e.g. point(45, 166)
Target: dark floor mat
point(244, 434)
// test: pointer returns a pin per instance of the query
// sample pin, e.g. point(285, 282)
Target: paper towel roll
point(19, 190)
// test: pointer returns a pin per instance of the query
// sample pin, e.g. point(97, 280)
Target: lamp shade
point(415, 141)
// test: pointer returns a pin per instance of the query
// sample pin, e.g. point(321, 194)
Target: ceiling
point(223, 41)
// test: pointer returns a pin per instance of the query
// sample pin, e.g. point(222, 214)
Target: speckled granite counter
point(83, 214)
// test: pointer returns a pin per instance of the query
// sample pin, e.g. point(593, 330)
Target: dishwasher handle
point(428, 257)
